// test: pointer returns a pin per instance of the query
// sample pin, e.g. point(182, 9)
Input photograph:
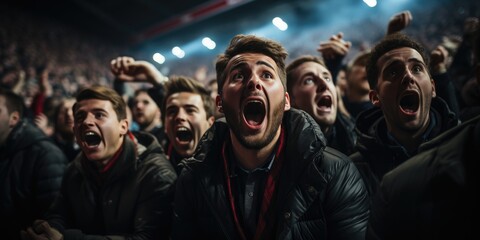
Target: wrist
point(439, 69)
point(158, 79)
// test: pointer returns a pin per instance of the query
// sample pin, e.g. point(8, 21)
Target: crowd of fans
point(31, 44)
point(353, 127)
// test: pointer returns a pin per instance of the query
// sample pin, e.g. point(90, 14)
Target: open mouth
point(184, 134)
point(92, 138)
point(254, 112)
point(410, 102)
point(325, 102)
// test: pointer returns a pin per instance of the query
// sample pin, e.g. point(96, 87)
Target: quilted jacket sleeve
point(346, 202)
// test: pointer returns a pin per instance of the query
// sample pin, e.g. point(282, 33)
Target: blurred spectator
point(356, 97)
point(64, 136)
point(212, 87)
point(146, 109)
point(31, 168)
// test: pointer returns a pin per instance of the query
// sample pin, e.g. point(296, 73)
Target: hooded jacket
point(320, 194)
point(131, 201)
point(377, 154)
point(435, 194)
point(31, 170)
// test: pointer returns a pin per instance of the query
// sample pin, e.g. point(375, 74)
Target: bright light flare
point(209, 43)
point(280, 24)
point(159, 58)
point(178, 52)
point(370, 3)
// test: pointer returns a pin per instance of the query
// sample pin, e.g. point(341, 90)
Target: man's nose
point(254, 83)
point(321, 85)
point(181, 115)
point(408, 77)
point(89, 119)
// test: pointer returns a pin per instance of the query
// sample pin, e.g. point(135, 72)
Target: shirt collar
point(267, 166)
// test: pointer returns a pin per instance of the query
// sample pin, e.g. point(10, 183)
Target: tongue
point(407, 110)
point(253, 122)
point(323, 108)
point(254, 119)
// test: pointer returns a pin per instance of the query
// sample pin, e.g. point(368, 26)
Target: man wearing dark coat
point(31, 168)
point(264, 172)
point(407, 111)
point(120, 187)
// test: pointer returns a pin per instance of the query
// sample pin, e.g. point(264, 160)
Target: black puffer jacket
point(376, 154)
point(31, 170)
point(133, 201)
point(342, 135)
point(320, 192)
point(435, 194)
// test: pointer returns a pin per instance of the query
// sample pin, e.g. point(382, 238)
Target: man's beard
point(144, 122)
point(235, 121)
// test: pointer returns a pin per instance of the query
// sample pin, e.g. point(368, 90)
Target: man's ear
point(14, 119)
point(210, 120)
point(374, 98)
point(287, 102)
point(434, 93)
point(218, 103)
point(123, 126)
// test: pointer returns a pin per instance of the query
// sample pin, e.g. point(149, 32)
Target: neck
point(410, 140)
point(103, 163)
point(250, 158)
point(152, 126)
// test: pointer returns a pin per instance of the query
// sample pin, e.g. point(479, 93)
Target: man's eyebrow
point(237, 65)
point(260, 62)
point(266, 64)
point(184, 106)
point(395, 60)
point(416, 60)
point(98, 110)
point(171, 106)
point(191, 106)
point(92, 110)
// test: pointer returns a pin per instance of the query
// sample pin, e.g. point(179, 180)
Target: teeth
point(88, 134)
point(182, 129)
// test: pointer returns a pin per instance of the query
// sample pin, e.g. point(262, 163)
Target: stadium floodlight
point(209, 43)
point(159, 58)
point(280, 24)
point(178, 52)
point(370, 3)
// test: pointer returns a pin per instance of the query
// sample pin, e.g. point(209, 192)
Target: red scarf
point(270, 187)
point(170, 151)
point(117, 154)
